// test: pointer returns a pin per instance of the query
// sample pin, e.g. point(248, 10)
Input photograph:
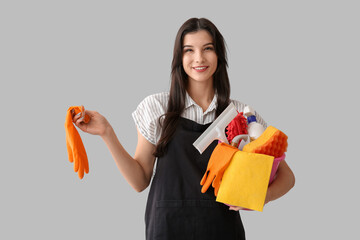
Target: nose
point(199, 57)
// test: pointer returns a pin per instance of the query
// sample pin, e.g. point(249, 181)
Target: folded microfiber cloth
point(245, 181)
point(74, 144)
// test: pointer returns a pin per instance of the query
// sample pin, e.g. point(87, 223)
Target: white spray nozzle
point(217, 129)
point(249, 111)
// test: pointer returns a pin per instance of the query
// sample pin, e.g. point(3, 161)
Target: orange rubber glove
point(218, 162)
point(74, 144)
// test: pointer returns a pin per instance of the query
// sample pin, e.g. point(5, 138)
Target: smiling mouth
point(200, 68)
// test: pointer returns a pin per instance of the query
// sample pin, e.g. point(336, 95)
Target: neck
point(201, 93)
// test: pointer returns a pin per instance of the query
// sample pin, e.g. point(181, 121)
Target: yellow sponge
point(272, 142)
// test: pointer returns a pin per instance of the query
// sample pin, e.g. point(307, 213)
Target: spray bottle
point(255, 129)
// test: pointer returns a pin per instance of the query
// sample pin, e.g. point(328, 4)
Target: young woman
point(167, 125)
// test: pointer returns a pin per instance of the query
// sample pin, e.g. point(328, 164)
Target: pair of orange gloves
point(74, 144)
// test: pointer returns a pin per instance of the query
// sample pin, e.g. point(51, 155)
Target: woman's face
point(199, 57)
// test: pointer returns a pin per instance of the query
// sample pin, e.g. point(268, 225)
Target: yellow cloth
point(245, 181)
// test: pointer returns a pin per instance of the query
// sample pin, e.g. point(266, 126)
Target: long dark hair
point(179, 80)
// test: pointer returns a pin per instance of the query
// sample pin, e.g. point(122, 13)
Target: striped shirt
point(152, 107)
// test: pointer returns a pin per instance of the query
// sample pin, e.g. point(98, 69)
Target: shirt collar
point(190, 102)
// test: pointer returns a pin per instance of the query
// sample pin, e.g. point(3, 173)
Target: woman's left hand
point(235, 208)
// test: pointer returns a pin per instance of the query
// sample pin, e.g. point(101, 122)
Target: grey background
point(295, 62)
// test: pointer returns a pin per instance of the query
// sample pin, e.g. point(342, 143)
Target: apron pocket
point(196, 219)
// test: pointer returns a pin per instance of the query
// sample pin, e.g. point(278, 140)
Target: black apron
point(176, 208)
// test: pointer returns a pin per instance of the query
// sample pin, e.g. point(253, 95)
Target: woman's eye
point(188, 50)
point(209, 48)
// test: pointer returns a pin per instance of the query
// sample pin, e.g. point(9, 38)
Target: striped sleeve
point(240, 108)
point(147, 114)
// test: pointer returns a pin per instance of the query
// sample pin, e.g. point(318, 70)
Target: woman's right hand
point(96, 126)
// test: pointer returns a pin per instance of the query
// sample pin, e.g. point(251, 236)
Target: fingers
point(83, 117)
point(235, 208)
point(79, 121)
point(202, 182)
point(82, 111)
point(216, 183)
point(77, 117)
point(81, 168)
point(206, 181)
point(69, 149)
point(86, 166)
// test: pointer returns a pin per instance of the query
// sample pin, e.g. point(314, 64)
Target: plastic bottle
point(255, 129)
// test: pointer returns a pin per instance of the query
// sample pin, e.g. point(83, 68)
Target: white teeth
point(200, 68)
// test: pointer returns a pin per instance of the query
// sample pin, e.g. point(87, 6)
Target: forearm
point(285, 180)
point(128, 166)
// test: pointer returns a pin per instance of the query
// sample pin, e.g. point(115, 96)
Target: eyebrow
point(203, 45)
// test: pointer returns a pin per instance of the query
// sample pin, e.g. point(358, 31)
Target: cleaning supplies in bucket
point(247, 177)
point(248, 173)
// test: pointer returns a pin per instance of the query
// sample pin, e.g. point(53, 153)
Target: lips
point(200, 68)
